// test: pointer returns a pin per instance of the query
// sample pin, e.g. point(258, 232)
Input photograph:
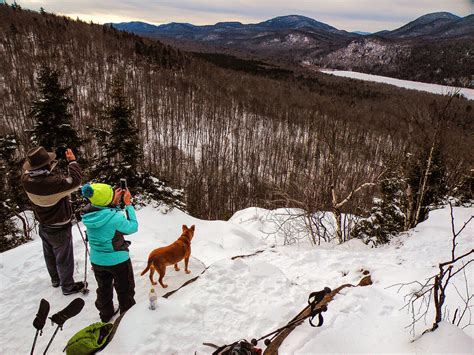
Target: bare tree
point(433, 290)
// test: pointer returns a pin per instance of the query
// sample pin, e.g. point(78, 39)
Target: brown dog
point(160, 258)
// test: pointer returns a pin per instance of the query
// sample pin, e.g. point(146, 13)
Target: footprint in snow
point(386, 310)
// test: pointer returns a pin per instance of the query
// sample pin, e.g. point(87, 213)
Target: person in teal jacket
point(106, 227)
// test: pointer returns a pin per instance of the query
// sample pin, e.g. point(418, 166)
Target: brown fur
point(160, 258)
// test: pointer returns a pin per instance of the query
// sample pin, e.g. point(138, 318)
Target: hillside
point(230, 132)
point(436, 26)
point(434, 48)
point(249, 297)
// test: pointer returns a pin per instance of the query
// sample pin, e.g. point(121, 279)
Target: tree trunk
point(337, 216)
point(409, 213)
point(423, 186)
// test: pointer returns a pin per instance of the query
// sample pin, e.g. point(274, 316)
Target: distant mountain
point(274, 34)
point(436, 25)
point(291, 22)
point(439, 45)
point(135, 27)
point(294, 22)
point(362, 33)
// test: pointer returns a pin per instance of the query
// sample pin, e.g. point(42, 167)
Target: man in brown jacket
point(49, 193)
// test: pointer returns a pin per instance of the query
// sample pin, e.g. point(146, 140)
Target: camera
point(61, 151)
point(123, 184)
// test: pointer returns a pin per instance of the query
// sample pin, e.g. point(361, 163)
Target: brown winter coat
point(49, 194)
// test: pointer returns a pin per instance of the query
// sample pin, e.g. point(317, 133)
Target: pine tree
point(125, 146)
point(464, 191)
point(386, 217)
point(120, 151)
point(120, 155)
point(13, 200)
point(50, 110)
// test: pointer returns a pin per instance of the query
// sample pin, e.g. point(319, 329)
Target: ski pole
point(84, 239)
point(40, 320)
point(86, 248)
point(317, 297)
point(34, 341)
point(293, 322)
point(86, 253)
point(51, 340)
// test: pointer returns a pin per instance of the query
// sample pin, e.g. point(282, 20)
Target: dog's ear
point(185, 228)
point(192, 228)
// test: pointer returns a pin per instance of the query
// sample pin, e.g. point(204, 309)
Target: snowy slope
point(414, 85)
point(248, 297)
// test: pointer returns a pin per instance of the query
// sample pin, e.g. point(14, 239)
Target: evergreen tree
point(120, 154)
point(464, 191)
point(15, 6)
point(13, 200)
point(120, 151)
point(125, 146)
point(53, 127)
point(386, 217)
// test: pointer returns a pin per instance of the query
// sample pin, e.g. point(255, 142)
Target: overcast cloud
point(350, 15)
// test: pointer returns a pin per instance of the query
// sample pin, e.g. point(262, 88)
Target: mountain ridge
point(437, 45)
point(427, 22)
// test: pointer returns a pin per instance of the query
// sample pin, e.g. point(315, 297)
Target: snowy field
point(414, 85)
point(252, 296)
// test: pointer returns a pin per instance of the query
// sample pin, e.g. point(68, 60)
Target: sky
point(349, 15)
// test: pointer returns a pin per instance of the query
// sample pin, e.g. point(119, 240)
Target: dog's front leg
point(176, 267)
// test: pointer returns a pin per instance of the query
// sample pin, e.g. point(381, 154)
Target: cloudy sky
point(351, 15)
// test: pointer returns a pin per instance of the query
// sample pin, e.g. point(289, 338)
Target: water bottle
point(152, 298)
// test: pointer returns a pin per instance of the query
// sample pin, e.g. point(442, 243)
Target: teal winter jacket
point(106, 228)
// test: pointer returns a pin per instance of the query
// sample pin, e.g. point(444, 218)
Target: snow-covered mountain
point(266, 35)
point(436, 45)
point(247, 297)
point(290, 22)
point(438, 25)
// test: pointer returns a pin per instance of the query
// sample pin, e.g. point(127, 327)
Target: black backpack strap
point(241, 347)
point(314, 299)
point(112, 332)
point(224, 349)
point(320, 319)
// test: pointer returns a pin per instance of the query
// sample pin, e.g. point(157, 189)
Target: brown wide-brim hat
point(37, 158)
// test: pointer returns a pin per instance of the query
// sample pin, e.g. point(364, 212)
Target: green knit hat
point(98, 194)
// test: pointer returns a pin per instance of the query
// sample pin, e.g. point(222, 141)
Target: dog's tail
point(147, 267)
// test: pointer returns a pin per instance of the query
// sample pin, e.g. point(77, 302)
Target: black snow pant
point(121, 278)
point(58, 254)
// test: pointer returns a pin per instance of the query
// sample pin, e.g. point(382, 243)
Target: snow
point(295, 38)
point(250, 296)
point(414, 85)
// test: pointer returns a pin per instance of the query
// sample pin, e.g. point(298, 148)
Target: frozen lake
point(414, 85)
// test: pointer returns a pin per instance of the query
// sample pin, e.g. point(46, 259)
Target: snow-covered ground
point(414, 85)
point(249, 297)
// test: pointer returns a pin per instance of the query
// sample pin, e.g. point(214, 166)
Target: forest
point(234, 133)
